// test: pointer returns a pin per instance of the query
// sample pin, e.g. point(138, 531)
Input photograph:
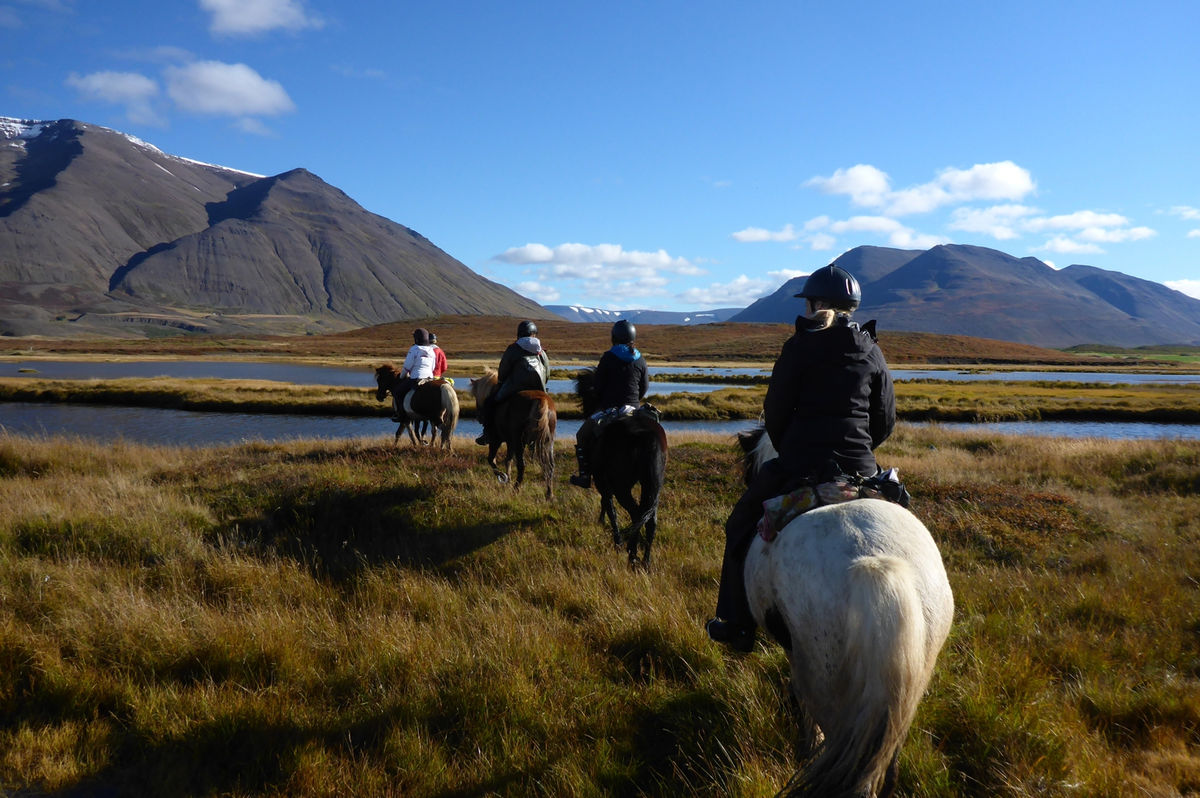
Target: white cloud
point(1189, 287)
point(133, 90)
point(608, 275)
point(781, 276)
point(864, 184)
point(755, 234)
point(998, 221)
point(212, 87)
point(1079, 220)
point(1069, 246)
point(867, 224)
point(1118, 236)
point(821, 241)
point(539, 292)
point(870, 187)
point(1185, 212)
point(737, 293)
point(254, 127)
point(242, 17)
point(1193, 234)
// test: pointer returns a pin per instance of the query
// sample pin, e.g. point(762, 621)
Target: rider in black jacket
point(829, 404)
point(620, 379)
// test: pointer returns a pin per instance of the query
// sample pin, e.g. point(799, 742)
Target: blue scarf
point(625, 352)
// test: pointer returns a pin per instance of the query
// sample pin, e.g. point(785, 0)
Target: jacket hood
point(530, 344)
point(625, 352)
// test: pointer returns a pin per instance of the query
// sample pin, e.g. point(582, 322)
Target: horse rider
point(439, 362)
point(523, 367)
point(620, 380)
point(830, 402)
point(418, 365)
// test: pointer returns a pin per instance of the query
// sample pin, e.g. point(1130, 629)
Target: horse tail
point(449, 411)
point(539, 430)
point(883, 676)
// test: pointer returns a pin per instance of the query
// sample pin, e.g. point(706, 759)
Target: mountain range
point(970, 290)
point(102, 233)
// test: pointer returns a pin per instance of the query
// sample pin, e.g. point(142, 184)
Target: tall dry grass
point(352, 618)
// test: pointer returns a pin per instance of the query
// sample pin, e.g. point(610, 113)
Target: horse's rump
point(858, 594)
point(434, 399)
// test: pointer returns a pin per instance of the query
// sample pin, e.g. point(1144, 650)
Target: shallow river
point(178, 427)
point(190, 428)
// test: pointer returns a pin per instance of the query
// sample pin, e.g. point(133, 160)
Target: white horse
point(857, 594)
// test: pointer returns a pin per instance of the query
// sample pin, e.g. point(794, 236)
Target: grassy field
point(481, 339)
point(353, 618)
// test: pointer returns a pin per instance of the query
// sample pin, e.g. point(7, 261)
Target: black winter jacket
point(620, 377)
point(830, 398)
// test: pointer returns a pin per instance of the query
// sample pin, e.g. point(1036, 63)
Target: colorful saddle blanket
point(779, 511)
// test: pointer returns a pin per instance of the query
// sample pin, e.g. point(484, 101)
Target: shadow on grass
point(337, 533)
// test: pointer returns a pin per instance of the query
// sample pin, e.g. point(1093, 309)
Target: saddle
point(623, 414)
point(779, 511)
point(411, 392)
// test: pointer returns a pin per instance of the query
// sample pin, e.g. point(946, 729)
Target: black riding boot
point(487, 413)
point(584, 478)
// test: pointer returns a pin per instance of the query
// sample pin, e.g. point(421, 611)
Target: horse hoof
point(502, 479)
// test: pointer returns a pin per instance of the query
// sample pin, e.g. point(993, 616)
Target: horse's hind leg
point(890, 778)
point(607, 511)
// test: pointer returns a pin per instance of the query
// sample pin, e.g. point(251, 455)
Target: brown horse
point(627, 451)
point(527, 418)
point(434, 401)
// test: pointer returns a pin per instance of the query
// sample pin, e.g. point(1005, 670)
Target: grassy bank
point(355, 619)
point(917, 400)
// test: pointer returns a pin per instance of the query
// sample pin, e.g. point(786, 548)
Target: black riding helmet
point(526, 329)
point(623, 332)
point(835, 285)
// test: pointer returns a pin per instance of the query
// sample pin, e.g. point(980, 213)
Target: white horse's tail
point(879, 694)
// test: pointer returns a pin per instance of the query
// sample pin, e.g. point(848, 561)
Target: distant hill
point(582, 314)
point(103, 233)
point(967, 290)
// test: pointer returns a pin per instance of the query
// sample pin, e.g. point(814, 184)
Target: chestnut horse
point(525, 419)
point(433, 400)
point(627, 451)
point(857, 594)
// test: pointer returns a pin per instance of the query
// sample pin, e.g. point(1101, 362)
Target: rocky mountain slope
point(969, 290)
point(103, 233)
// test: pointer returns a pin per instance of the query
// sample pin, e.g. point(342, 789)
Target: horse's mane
point(585, 389)
point(388, 369)
point(756, 449)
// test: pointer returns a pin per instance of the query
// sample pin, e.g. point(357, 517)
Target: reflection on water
point(365, 378)
point(190, 428)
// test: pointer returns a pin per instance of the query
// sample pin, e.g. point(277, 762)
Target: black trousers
point(740, 529)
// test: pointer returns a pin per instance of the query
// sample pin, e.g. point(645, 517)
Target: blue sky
point(669, 155)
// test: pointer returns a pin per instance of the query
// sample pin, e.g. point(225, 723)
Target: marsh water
point(192, 428)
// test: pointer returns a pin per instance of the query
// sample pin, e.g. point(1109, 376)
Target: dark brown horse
point(527, 418)
point(627, 451)
point(433, 400)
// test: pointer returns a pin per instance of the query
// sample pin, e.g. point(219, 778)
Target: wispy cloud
point(751, 234)
point(737, 293)
point(251, 17)
point(134, 91)
point(607, 275)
